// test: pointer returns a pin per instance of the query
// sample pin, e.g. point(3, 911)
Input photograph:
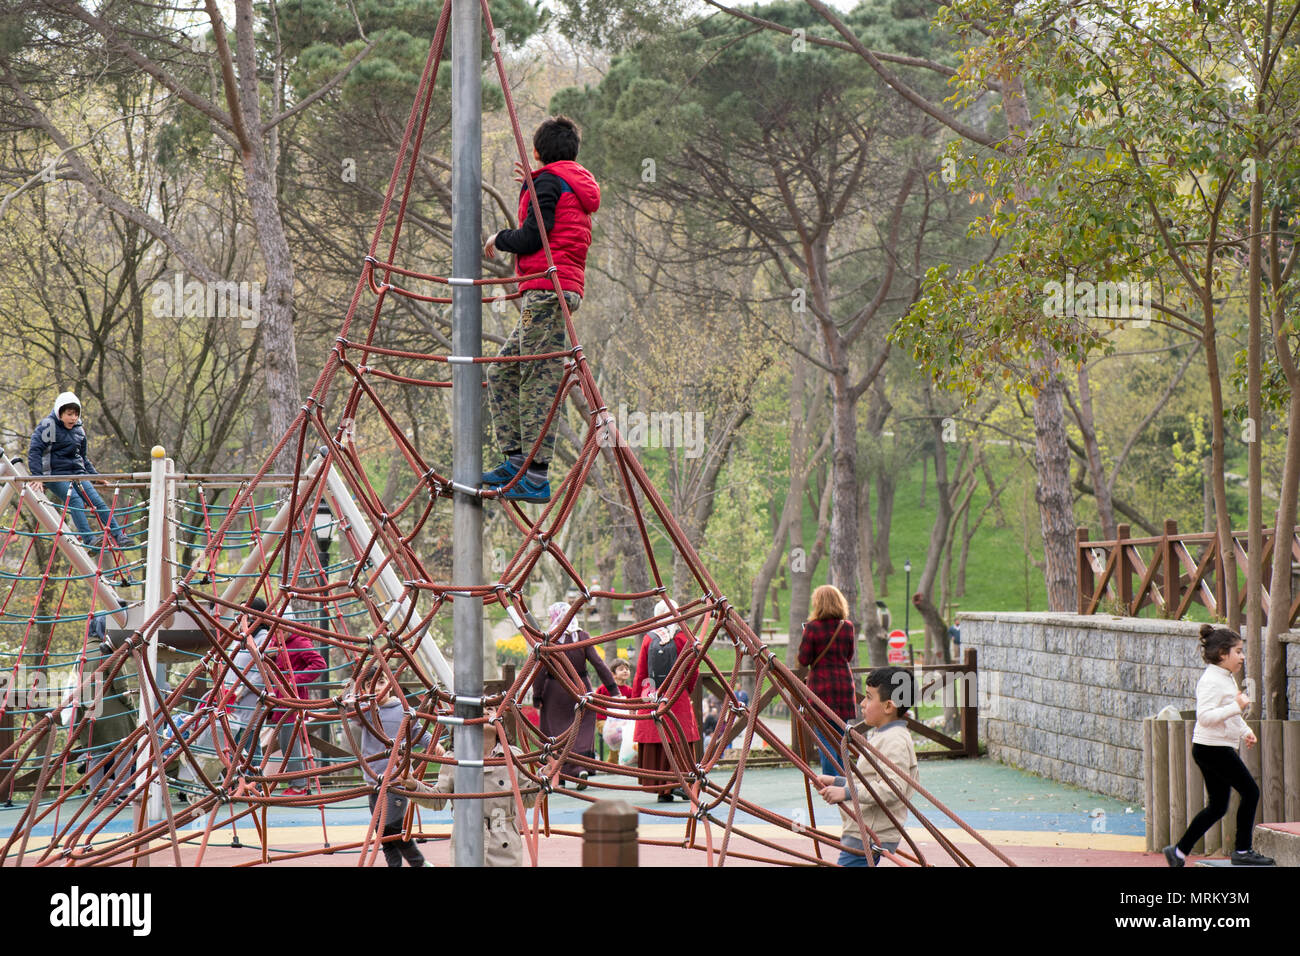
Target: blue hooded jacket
point(57, 449)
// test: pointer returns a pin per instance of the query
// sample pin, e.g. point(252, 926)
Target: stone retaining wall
point(1064, 695)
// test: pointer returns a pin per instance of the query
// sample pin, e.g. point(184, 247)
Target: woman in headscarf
point(655, 662)
point(555, 702)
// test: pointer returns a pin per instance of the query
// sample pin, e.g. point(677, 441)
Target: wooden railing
point(1172, 572)
point(956, 680)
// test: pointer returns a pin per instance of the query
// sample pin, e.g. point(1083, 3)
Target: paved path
point(1033, 821)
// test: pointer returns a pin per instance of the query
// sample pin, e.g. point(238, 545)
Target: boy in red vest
point(522, 392)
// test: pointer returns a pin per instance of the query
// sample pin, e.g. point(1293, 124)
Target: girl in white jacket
point(1219, 729)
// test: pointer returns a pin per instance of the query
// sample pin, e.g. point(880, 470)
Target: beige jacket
point(894, 741)
point(502, 843)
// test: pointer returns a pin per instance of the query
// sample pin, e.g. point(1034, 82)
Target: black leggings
point(1223, 771)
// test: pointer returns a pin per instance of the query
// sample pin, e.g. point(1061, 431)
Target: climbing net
point(378, 613)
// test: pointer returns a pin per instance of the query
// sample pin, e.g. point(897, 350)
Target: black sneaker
point(1171, 855)
point(1251, 858)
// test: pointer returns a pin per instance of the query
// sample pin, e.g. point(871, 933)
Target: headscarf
point(557, 611)
point(666, 607)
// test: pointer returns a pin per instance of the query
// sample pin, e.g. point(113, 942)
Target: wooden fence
point(1172, 572)
point(957, 679)
point(1175, 792)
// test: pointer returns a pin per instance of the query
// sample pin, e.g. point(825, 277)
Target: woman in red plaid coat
point(828, 649)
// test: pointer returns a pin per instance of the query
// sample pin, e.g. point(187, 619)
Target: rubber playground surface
point(1033, 821)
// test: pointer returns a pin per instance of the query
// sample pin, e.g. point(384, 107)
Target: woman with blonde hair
point(827, 650)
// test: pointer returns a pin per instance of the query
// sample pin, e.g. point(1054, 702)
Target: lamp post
point(323, 531)
point(907, 603)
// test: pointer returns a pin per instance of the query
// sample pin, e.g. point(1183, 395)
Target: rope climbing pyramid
point(236, 612)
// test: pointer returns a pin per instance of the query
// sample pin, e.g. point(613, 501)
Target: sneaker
point(296, 792)
point(582, 779)
point(1171, 855)
point(1251, 858)
point(526, 489)
point(665, 798)
point(499, 475)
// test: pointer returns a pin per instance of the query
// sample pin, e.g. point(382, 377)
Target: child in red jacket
point(522, 392)
point(300, 663)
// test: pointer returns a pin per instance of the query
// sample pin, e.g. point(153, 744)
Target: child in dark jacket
point(521, 393)
point(59, 447)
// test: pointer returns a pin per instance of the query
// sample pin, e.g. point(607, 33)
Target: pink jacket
point(300, 662)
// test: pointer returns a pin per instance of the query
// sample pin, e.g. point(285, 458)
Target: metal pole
point(907, 605)
point(467, 436)
point(155, 551)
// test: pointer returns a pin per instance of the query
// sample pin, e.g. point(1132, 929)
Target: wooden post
point(1173, 591)
point(609, 834)
point(1192, 781)
point(970, 711)
point(1272, 783)
point(1158, 812)
point(1086, 579)
point(1177, 778)
point(1220, 583)
point(1148, 783)
point(1291, 767)
point(1123, 570)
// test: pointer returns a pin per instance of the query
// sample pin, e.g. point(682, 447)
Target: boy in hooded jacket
point(59, 447)
point(521, 393)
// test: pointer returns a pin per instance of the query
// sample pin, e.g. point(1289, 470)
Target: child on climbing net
point(889, 693)
point(502, 841)
point(1220, 728)
point(59, 447)
point(388, 712)
point(522, 393)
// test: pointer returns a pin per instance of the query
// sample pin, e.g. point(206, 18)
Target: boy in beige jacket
point(502, 842)
point(889, 693)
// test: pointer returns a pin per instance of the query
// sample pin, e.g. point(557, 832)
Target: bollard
point(609, 834)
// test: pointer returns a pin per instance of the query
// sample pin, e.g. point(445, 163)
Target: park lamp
point(323, 528)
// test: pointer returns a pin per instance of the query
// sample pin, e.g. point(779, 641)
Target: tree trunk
point(1207, 495)
point(1087, 428)
point(1052, 491)
point(941, 527)
point(1280, 593)
point(1255, 411)
point(276, 306)
point(792, 511)
point(869, 625)
point(886, 485)
point(1222, 517)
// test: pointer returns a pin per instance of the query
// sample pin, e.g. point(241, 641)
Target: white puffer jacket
point(1219, 720)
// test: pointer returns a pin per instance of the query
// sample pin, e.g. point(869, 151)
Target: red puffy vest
point(571, 235)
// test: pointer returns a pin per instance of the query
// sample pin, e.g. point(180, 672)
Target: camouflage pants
point(521, 393)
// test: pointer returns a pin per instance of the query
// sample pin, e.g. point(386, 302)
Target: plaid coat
point(830, 678)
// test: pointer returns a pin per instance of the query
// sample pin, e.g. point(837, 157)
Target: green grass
point(996, 578)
